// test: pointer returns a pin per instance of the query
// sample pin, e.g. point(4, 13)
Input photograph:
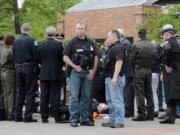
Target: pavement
point(51, 128)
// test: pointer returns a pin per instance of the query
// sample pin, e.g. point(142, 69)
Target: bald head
point(51, 31)
point(25, 28)
point(113, 36)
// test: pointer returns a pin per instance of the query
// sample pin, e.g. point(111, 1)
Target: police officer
point(51, 60)
point(8, 76)
point(141, 57)
point(99, 79)
point(25, 58)
point(171, 62)
point(129, 86)
point(114, 80)
point(80, 54)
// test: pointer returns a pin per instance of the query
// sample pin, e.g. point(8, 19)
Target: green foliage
point(6, 23)
point(39, 13)
point(156, 21)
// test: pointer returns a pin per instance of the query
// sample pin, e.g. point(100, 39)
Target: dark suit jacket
point(51, 59)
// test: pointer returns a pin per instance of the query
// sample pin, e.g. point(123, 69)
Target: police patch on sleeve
point(35, 43)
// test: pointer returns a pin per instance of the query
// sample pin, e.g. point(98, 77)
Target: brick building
point(105, 15)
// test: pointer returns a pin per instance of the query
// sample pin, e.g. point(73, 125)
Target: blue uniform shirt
point(25, 50)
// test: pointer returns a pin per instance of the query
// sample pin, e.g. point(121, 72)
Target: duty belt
point(25, 64)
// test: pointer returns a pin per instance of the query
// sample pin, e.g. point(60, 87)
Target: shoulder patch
point(35, 43)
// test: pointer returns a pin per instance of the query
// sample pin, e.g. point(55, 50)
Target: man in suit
point(51, 60)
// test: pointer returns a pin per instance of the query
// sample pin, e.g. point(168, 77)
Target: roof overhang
point(164, 2)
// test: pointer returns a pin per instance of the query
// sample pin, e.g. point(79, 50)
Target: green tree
point(40, 14)
point(9, 16)
point(156, 20)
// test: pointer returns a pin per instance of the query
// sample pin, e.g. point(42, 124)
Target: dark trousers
point(171, 108)
point(99, 88)
point(50, 88)
point(143, 89)
point(25, 92)
point(129, 97)
point(1, 94)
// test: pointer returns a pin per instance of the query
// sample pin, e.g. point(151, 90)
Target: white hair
point(26, 27)
point(51, 31)
point(121, 32)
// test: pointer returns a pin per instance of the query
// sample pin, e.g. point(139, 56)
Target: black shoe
point(45, 121)
point(74, 124)
point(87, 123)
point(156, 114)
point(27, 120)
point(18, 119)
point(167, 121)
point(107, 124)
point(117, 125)
point(139, 118)
point(62, 121)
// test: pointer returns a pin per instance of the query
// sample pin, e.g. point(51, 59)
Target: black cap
point(142, 33)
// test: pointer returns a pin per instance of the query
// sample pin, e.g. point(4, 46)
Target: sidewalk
point(131, 128)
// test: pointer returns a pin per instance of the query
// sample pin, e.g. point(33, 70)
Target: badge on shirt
point(92, 48)
point(79, 50)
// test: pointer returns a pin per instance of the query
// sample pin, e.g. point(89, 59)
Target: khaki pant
point(8, 83)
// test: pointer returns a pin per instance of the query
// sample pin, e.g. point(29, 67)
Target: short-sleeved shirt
point(76, 44)
point(115, 52)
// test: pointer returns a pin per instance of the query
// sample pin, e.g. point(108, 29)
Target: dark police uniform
point(81, 52)
point(141, 57)
point(171, 58)
point(99, 79)
point(25, 52)
point(51, 60)
point(129, 86)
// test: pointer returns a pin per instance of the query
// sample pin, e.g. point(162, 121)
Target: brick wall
point(100, 22)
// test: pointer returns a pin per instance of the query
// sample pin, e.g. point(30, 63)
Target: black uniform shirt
point(76, 44)
point(115, 52)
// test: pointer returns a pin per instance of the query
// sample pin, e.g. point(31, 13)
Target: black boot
point(171, 113)
point(139, 118)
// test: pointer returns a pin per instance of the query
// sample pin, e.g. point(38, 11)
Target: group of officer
point(126, 71)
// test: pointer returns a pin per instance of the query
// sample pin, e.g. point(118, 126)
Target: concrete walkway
point(131, 128)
